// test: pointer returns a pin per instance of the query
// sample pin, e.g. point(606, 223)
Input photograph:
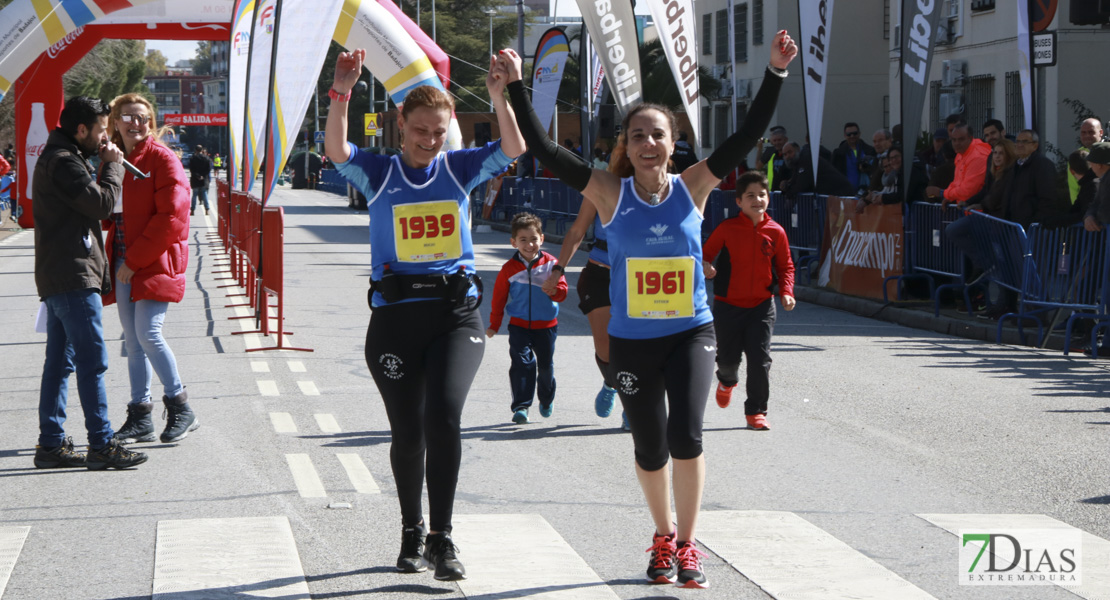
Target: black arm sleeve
point(566, 165)
point(732, 152)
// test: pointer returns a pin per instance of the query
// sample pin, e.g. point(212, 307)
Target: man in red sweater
point(750, 252)
point(971, 167)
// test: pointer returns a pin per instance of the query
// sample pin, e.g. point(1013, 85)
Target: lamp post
point(490, 13)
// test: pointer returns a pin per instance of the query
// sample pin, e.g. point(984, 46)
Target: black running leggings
point(423, 357)
point(674, 370)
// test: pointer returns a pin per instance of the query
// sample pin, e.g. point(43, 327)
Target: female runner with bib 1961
point(426, 339)
point(661, 341)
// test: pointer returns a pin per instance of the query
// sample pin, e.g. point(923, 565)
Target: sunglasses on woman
point(140, 119)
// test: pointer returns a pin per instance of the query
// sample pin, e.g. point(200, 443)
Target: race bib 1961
point(660, 288)
point(427, 231)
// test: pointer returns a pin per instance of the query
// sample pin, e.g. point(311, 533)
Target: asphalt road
point(880, 434)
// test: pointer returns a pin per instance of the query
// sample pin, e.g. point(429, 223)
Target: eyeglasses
point(850, 133)
point(140, 119)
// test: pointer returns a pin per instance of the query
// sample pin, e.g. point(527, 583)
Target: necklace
point(654, 200)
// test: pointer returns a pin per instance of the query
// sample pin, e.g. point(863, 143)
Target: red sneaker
point(662, 568)
point(690, 574)
point(724, 394)
point(758, 422)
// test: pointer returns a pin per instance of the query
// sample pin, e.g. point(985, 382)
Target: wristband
point(337, 97)
point(560, 268)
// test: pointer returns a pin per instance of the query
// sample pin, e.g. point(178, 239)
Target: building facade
point(177, 92)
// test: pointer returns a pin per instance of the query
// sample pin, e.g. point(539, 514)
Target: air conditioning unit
point(951, 103)
point(954, 9)
point(897, 36)
point(744, 88)
point(726, 88)
point(953, 72)
point(719, 71)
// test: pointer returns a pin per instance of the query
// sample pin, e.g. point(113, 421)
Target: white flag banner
point(239, 54)
point(612, 28)
point(815, 19)
point(1024, 61)
point(258, 88)
point(919, 27)
point(300, 47)
point(547, 74)
point(674, 20)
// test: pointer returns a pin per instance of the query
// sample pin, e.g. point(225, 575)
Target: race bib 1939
point(660, 288)
point(427, 231)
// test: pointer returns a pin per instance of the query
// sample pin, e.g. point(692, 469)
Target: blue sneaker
point(624, 422)
point(520, 417)
point(545, 409)
point(603, 403)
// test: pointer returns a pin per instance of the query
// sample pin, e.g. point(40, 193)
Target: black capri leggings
point(677, 367)
point(423, 356)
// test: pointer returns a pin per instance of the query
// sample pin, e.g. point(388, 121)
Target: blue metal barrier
point(332, 181)
point(931, 254)
point(6, 193)
point(803, 218)
point(1005, 250)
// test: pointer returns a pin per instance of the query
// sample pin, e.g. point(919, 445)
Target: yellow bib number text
point(427, 231)
point(660, 288)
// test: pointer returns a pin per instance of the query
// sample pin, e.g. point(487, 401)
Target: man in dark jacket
point(71, 272)
point(683, 155)
point(829, 181)
point(854, 158)
point(1098, 212)
point(200, 175)
point(1031, 196)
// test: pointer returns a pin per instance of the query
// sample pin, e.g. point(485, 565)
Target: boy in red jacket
point(533, 322)
point(750, 250)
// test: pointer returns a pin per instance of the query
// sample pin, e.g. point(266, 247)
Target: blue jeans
point(146, 348)
point(202, 193)
point(532, 352)
point(74, 342)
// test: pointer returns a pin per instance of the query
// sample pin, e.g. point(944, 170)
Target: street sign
point(1044, 49)
point(370, 124)
point(319, 137)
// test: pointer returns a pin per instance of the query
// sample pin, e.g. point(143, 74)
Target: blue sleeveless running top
point(656, 287)
point(601, 256)
point(420, 218)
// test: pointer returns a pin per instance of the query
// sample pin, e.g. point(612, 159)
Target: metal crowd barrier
point(332, 181)
point(930, 253)
point(803, 218)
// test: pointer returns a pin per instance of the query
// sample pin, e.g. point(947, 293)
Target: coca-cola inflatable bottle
point(35, 142)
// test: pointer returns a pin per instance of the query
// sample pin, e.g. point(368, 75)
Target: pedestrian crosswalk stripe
point(296, 366)
point(283, 422)
point(1096, 551)
point(328, 424)
point(11, 543)
point(260, 366)
point(305, 476)
point(515, 556)
point(225, 558)
point(359, 475)
point(267, 387)
point(787, 556)
point(308, 388)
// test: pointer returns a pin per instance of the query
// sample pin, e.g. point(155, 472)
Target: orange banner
point(861, 249)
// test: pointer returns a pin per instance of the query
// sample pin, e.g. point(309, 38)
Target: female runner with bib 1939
point(426, 339)
point(661, 340)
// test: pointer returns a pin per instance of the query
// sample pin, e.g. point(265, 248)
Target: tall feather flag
point(238, 63)
point(919, 38)
point(299, 48)
point(547, 75)
point(674, 19)
point(815, 19)
point(258, 88)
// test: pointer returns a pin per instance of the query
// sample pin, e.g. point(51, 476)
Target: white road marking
point(260, 366)
point(283, 422)
point(267, 387)
point(359, 475)
point(328, 424)
point(296, 366)
point(11, 543)
point(308, 388)
point(516, 556)
point(225, 558)
point(305, 476)
point(1096, 551)
point(789, 557)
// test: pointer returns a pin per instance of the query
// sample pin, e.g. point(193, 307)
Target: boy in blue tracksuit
point(533, 322)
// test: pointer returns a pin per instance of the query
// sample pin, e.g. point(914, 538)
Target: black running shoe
point(180, 418)
point(410, 560)
point(113, 456)
point(62, 457)
point(662, 568)
point(440, 552)
point(690, 574)
point(139, 426)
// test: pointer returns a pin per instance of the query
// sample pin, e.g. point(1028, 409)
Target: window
point(886, 19)
point(757, 22)
point(707, 34)
point(936, 119)
point(1015, 107)
point(706, 123)
point(722, 36)
point(721, 129)
point(740, 27)
point(980, 101)
point(886, 113)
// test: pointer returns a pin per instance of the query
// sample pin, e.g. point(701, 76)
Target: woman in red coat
point(148, 243)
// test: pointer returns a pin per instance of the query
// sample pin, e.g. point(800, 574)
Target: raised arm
point(599, 187)
point(701, 178)
point(348, 67)
point(512, 143)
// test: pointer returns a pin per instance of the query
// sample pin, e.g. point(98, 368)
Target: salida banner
point(219, 119)
point(861, 250)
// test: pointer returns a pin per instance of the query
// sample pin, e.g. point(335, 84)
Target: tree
point(202, 62)
point(155, 63)
point(125, 58)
